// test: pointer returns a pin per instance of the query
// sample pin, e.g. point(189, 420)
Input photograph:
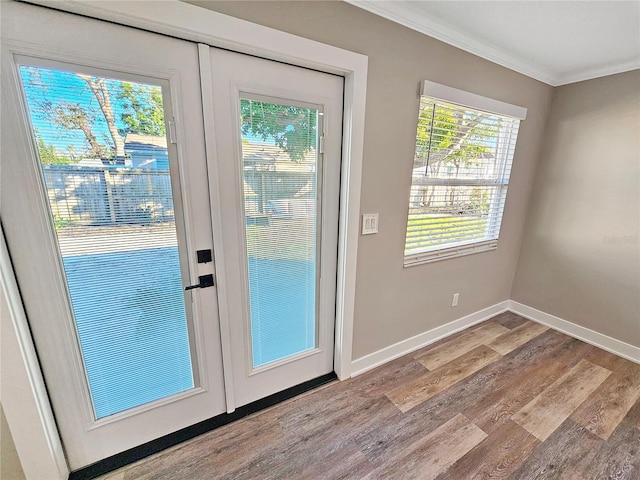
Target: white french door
point(171, 212)
point(277, 136)
point(104, 206)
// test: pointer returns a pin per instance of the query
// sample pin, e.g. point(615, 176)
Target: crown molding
point(591, 73)
point(403, 14)
point(400, 13)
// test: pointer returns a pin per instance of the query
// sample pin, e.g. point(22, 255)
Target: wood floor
point(505, 399)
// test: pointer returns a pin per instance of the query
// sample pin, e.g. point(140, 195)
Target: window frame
point(462, 98)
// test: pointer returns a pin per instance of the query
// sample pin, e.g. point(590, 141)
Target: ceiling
point(556, 42)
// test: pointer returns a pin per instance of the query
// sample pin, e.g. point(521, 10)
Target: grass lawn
point(443, 228)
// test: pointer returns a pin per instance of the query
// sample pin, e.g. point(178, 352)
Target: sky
point(45, 86)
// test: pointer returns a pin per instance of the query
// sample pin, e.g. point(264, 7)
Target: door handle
point(205, 281)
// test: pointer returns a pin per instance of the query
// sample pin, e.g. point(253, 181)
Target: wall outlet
point(369, 223)
point(454, 301)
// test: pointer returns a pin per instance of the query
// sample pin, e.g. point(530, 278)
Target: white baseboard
point(375, 359)
point(587, 335)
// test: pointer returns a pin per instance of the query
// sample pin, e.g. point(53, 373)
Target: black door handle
point(205, 281)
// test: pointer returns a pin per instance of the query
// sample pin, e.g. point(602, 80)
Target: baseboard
point(587, 335)
point(375, 359)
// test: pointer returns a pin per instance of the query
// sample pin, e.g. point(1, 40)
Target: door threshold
point(134, 454)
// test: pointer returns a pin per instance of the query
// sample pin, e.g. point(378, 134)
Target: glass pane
point(280, 200)
point(460, 174)
point(103, 154)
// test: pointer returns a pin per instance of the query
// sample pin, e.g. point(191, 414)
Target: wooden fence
point(81, 195)
point(106, 195)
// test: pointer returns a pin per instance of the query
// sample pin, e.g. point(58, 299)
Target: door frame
point(196, 24)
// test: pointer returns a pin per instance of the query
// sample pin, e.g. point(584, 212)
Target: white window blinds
point(460, 173)
point(280, 164)
point(105, 164)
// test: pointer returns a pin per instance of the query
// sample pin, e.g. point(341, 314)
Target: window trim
point(450, 252)
point(476, 102)
point(471, 100)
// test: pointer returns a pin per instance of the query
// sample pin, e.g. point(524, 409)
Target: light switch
point(369, 223)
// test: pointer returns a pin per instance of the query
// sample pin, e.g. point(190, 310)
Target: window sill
point(447, 253)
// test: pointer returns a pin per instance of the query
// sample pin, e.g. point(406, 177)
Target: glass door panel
point(280, 172)
point(104, 160)
point(278, 136)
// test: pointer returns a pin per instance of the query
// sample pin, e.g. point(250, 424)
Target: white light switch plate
point(369, 223)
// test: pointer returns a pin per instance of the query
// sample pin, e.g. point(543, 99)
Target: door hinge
point(321, 144)
point(172, 131)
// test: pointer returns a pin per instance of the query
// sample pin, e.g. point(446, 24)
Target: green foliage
point(463, 227)
point(480, 200)
point(60, 222)
point(143, 111)
point(122, 107)
point(292, 128)
point(47, 154)
point(449, 136)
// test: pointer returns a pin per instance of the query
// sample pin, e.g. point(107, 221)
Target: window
point(461, 168)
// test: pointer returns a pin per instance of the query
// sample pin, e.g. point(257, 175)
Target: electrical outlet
point(369, 223)
point(454, 301)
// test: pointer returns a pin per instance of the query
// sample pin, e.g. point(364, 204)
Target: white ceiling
point(557, 42)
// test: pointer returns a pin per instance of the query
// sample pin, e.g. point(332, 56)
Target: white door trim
point(24, 395)
point(206, 86)
point(172, 17)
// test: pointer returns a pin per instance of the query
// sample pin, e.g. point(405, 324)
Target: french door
point(171, 213)
point(104, 206)
point(277, 172)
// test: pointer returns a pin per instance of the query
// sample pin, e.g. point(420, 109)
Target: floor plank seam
point(506, 398)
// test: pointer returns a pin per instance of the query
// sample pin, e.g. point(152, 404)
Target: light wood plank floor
point(505, 399)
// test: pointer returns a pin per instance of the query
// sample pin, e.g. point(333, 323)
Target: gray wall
point(10, 467)
point(394, 303)
point(581, 255)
